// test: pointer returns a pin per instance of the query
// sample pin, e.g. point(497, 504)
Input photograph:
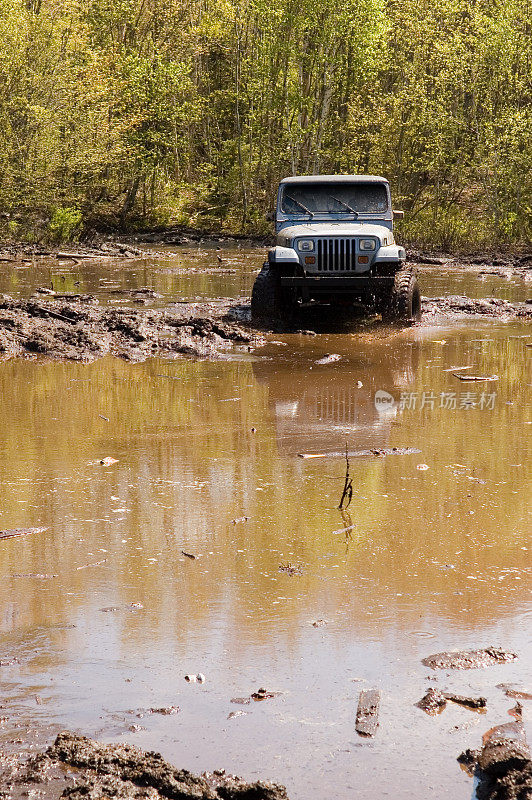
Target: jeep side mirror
point(398, 214)
point(270, 216)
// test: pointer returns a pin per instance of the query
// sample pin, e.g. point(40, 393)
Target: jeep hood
point(339, 229)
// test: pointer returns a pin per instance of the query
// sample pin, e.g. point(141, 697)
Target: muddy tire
point(266, 302)
point(404, 303)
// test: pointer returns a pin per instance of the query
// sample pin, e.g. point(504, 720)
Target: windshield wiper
point(293, 199)
point(346, 205)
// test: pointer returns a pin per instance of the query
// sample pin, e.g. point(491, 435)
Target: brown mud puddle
point(127, 470)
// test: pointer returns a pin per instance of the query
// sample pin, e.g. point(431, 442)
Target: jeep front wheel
point(404, 302)
point(266, 296)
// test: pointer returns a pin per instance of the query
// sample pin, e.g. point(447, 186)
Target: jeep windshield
point(334, 198)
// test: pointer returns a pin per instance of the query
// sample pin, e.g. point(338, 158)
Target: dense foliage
point(142, 112)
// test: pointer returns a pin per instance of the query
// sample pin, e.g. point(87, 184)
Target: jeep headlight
point(367, 244)
point(305, 245)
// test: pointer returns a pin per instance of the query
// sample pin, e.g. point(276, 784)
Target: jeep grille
point(336, 255)
point(337, 406)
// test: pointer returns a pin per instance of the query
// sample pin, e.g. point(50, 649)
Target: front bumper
point(326, 283)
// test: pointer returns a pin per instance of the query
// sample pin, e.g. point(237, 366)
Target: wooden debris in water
point(367, 720)
point(435, 701)
point(11, 533)
point(345, 530)
point(76, 256)
point(94, 564)
point(40, 575)
point(475, 377)
point(383, 451)
point(475, 703)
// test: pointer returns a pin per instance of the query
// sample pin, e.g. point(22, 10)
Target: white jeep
point(335, 245)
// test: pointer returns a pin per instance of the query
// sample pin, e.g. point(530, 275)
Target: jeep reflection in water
point(335, 246)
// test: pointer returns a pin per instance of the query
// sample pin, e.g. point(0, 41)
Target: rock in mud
point(330, 359)
point(468, 659)
point(433, 702)
point(263, 694)
point(123, 771)
point(502, 745)
point(367, 719)
point(164, 710)
point(503, 765)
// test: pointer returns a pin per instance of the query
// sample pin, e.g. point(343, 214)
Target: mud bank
point(13, 252)
point(120, 771)
point(456, 306)
point(81, 331)
point(77, 328)
point(504, 264)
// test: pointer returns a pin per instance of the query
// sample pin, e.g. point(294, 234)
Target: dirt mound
point(503, 766)
point(120, 771)
point(469, 659)
point(74, 330)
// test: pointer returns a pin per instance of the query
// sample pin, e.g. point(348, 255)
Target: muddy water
point(104, 615)
point(209, 270)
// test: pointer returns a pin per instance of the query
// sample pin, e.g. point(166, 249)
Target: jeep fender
point(283, 255)
point(390, 253)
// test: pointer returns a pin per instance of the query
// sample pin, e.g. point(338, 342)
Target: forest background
point(130, 114)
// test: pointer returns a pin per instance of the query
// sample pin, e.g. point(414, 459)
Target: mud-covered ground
point(81, 331)
point(12, 252)
point(503, 264)
point(77, 767)
point(76, 328)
